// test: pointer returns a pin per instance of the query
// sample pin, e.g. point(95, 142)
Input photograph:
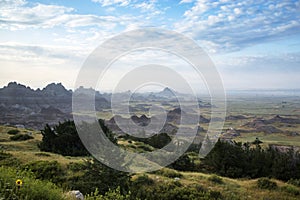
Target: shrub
point(13, 132)
point(170, 191)
point(157, 141)
point(75, 167)
point(295, 182)
point(64, 139)
point(21, 137)
point(42, 154)
point(109, 195)
point(144, 180)
point(6, 159)
point(170, 173)
point(31, 188)
point(95, 174)
point(183, 163)
point(46, 170)
point(4, 155)
point(215, 179)
point(291, 190)
point(266, 183)
point(237, 160)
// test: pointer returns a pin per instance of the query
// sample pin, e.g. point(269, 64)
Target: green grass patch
point(21, 137)
point(30, 188)
point(13, 131)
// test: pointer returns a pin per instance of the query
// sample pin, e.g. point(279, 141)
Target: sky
point(254, 44)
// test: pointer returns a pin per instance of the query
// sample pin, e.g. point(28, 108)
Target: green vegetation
point(95, 175)
point(216, 179)
point(266, 183)
point(144, 187)
point(62, 139)
point(46, 170)
point(109, 195)
point(156, 141)
point(295, 182)
point(291, 190)
point(183, 163)
point(57, 174)
point(13, 131)
point(170, 173)
point(20, 137)
point(237, 160)
point(31, 188)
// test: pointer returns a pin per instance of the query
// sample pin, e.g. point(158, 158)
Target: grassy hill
point(182, 185)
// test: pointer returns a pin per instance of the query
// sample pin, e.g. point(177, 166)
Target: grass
point(30, 188)
point(267, 139)
point(231, 188)
point(27, 151)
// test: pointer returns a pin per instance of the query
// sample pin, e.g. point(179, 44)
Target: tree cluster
point(238, 160)
point(62, 139)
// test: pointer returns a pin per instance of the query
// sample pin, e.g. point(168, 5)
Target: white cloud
point(111, 9)
point(149, 8)
point(37, 65)
point(23, 16)
point(11, 3)
point(186, 1)
point(40, 54)
point(234, 25)
point(113, 2)
point(58, 38)
point(237, 11)
point(20, 16)
point(212, 19)
point(145, 6)
point(200, 7)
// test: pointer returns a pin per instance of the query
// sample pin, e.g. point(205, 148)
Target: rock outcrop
point(34, 108)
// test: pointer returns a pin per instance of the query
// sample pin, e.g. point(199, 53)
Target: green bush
point(295, 182)
point(215, 179)
point(171, 191)
point(4, 155)
point(266, 183)
point(31, 188)
point(42, 154)
point(237, 160)
point(6, 159)
point(95, 174)
point(13, 132)
point(183, 163)
point(157, 141)
point(46, 170)
point(21, 137)
point(170, 173)
point(111, 194)
point(75, 167)
point(64, 139)
point(291, 190)
point(144, 180)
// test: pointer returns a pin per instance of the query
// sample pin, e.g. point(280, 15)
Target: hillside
point(155, 183)
point(21, 105)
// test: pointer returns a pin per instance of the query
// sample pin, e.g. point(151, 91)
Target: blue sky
point(253, 43)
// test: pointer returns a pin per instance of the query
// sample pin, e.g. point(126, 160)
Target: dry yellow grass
point(28, 151)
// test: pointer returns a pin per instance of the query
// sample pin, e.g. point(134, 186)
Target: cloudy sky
point(253, 43)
